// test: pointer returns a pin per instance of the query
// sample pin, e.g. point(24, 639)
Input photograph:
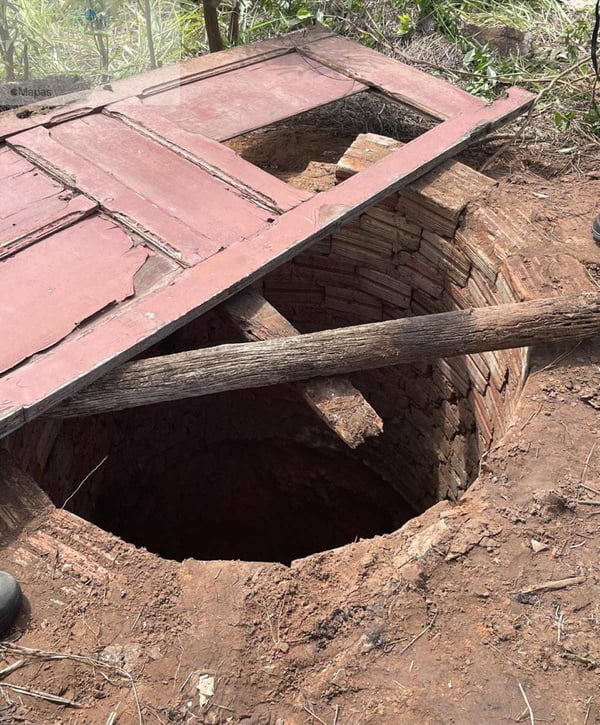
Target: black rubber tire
point(11, 598)
point(596, 229)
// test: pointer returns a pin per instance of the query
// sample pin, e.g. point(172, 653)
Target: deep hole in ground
point(304, 150)
point(213, 478)
point(255, 475)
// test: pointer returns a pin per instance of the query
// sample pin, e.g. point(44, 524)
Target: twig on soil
point(587, 463)
point(389, 646)
point(567, 432)
point(41, 695)
point(589, 709)
point(589, 502)
point(568, 655)
point(531, 718)
point(187, 679)
point(11, 668)
point(532, 416)
point(136, 698)
point(421, 633)
point(514, 662)
point(560, 621)
point(91, 473)
point(137, 619)
point(314, 715)
point(220, 707)
point(552, 586)
point(593, 279)
point(335, 717)
point(93, 662)
point(589, 488)
point(112, 718)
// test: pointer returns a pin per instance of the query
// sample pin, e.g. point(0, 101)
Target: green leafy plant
point(563, 120)
point(405, 24)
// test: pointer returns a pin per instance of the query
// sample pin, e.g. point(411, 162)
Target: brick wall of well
point(435, 247)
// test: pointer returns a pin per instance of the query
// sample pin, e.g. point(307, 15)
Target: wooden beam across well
point(341, 351)
point(334, 399)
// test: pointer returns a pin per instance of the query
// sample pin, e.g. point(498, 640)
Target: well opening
point(304, 150)
point(243, 475)
point(254, 474)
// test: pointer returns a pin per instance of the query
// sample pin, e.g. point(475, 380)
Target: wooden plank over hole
point(79, 360)
point(173, 203)
point(52, 287)
point(219, 160)
point(335, 400)
point(240, 101)
point(78, 104)
point(33, 204)
point(423, 338)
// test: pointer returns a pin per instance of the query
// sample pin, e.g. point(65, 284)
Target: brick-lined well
point(254, 474)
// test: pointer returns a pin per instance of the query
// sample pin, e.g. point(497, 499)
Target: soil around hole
point(304, 157)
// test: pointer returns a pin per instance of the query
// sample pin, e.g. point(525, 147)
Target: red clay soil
point(447, 620)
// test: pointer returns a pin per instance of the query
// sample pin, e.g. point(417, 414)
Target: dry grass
point(426, 33)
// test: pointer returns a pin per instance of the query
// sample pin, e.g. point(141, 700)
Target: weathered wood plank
point(338, 352)
point(218, 160)
point(429, 94)
point(55, 285)
point(222, 107)
point(33, 204)
point(334, 399)
point(153, 82)
point(176, 205)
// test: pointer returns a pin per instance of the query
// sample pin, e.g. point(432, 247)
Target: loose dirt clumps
point(450, 618)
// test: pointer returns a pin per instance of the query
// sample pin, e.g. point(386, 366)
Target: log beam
point(21, 499)
point(338, 352)
point(334, 399)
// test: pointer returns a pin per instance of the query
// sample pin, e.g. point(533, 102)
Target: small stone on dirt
point(116, 655)
point(538, 546)
point(206, 688)
point(525, 598)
